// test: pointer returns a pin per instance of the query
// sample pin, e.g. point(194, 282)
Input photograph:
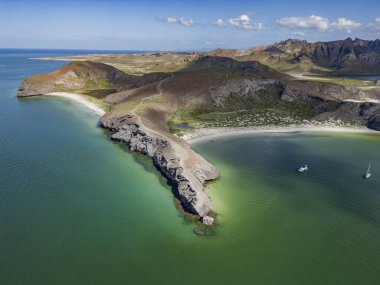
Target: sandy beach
point(212, 133)
point(80, 99)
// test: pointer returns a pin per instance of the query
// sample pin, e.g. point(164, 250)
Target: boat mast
point(369, 167)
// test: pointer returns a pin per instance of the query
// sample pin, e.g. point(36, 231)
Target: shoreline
point(81, 100)
point(209, 134)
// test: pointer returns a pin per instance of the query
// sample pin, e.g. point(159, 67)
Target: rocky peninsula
point(185, 169)
point(152, 112)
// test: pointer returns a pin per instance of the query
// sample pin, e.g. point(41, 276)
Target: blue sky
point(181, 25)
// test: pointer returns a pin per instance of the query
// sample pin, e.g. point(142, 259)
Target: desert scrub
point(99, 84)
point(341, 81)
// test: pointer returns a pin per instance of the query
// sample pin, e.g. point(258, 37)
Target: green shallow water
point(76, 208)
point(283, 228)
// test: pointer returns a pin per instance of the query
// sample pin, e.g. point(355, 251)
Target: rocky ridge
point(184, 168)
point(340, 57)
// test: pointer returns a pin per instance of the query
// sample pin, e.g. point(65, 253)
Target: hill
point(85, 75)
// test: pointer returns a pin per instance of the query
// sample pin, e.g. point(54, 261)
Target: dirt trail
point(176, 145)
point(133, 111)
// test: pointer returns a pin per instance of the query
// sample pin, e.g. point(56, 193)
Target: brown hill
point(80, 75)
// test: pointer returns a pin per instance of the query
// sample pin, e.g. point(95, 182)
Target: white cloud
point(298, 34)
point(345, 24)
point(180, 21)
point(320, 23)
point(311, 22)
point(171, 20)
point(377, 20)
point(245, 22)
point(187, 23)
point(219, 22)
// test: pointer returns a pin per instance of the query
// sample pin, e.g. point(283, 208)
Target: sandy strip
point(364, 100)
point(81, 100)
point(209, 134)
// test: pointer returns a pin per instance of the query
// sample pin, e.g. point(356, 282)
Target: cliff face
point(183, 167)
point(346, 56)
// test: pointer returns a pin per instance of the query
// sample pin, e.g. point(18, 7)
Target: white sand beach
point(80, 99)
point(212, 133)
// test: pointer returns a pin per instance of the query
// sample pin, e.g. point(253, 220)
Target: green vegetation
point(99, 84)
point(342, 81)
point(288, 67)
point(244, 111)
point(98, 93)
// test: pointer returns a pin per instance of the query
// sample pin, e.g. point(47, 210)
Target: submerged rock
point(207, 220)
point(199, 232)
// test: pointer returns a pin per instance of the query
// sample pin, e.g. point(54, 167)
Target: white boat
point(303, 169)
point(368, 174)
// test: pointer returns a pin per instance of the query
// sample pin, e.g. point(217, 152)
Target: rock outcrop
point(186, 170)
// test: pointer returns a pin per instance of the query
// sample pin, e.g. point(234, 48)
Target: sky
point(181, 25)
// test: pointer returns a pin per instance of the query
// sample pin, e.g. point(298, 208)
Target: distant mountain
point(347, 56)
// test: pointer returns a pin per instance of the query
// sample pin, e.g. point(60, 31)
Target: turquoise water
point(76, 208)
point(361, 77)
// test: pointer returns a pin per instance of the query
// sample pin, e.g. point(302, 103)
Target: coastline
point(81, 100)
point(212, 133)
point(200, 135)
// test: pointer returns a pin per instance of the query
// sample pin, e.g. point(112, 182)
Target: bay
point(76, 208)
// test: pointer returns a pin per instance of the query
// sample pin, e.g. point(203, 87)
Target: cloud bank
point(319, 23)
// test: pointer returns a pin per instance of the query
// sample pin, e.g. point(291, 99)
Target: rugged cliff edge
point(184, 168)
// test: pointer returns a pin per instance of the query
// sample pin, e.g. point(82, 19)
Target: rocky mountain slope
point(336, 57)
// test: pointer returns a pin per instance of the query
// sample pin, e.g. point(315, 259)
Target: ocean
point(76, 208)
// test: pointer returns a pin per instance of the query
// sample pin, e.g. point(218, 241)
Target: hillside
point(343, 57)
point(85, 76)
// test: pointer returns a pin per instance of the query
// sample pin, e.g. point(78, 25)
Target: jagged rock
point(186, 169)
point(286, 97)
point(343, 56)
point(199, 232)
point(207, 220)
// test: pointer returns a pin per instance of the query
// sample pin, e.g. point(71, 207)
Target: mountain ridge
point(340, 57)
